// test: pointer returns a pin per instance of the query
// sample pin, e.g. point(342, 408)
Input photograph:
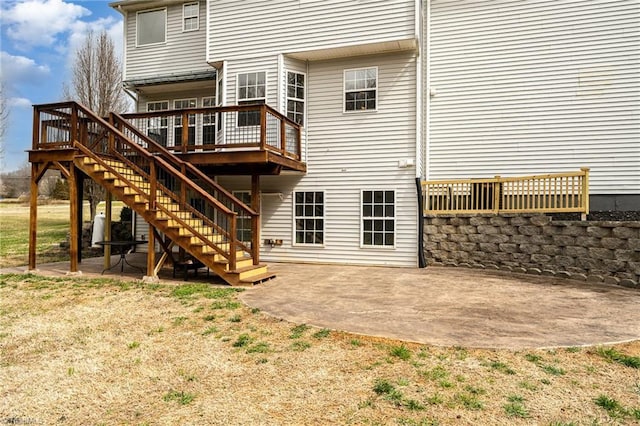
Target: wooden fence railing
point(552, 193)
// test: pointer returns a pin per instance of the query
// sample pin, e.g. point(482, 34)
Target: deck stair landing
point(176, 198)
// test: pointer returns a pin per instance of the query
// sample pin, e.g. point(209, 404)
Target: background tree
point(4, 120)
point(97, 84)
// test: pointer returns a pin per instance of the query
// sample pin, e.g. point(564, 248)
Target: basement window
point(378, 218)
point(309, 218)
point(151, 27)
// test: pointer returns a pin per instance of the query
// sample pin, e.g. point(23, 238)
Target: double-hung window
point(295, 97)
point(151, 27)
point(361, 89)
point(208, 122)
point(178, 122)
point(309, 217)
point(157, 126)
point(190, 14)
point(252, 89)
point(378, 218)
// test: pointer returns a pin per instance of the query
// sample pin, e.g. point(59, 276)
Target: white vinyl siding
point(245, 29)
point(182, 52)
point(348, 153)
point(531, 87)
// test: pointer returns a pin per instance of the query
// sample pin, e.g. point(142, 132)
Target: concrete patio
point(436, 306)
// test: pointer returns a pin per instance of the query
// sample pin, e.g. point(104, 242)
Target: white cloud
point(38, 22)
point(19, 103)
point(17, 70)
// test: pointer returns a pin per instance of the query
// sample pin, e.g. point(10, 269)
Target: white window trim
point(266, 86)
point(266, 92)
point(395, 220)
point(213, 101)
point(324, 220)
point(286, 95)
point(197, 16)
point(158, 102)
point(165, 27)
point(344, 91)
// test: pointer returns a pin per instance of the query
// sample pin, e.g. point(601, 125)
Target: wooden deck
point(551, 193)
point(164, 172)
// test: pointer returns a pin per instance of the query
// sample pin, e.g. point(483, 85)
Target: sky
point(38, 41)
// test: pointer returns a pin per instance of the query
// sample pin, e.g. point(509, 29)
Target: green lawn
point(53, 226)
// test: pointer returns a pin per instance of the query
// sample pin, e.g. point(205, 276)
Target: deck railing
point(242, 127)
point(551, 193)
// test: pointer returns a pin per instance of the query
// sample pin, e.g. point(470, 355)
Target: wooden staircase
point(188, 231)
point(176, 198)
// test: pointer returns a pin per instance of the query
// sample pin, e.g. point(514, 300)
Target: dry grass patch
point(102, 351)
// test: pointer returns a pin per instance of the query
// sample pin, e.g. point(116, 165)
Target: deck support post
point(73, 218)
point(79, 216)
point(255, 221)
point(151, 255)
point(107, 231)
point(33, 216)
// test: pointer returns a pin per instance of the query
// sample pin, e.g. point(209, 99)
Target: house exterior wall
point(526, 87)
point(183, 52)
point(258, 28)
point(348, 153)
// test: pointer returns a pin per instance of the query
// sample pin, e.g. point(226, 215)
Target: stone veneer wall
point(585, 250)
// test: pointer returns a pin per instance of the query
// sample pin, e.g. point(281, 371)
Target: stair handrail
point(172, 157)
point(153, 159)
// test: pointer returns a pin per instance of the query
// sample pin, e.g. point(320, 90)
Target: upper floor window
point(295, 97)
point(361, 89)
point(151, 27)
point(252, 89)
point(190, 15)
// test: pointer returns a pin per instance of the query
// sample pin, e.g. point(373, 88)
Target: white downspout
point(419, 113)
point(280, 86)
point(427, 59)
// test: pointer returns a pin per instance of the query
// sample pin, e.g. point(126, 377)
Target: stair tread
point(246, 268)
point(258, 278)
